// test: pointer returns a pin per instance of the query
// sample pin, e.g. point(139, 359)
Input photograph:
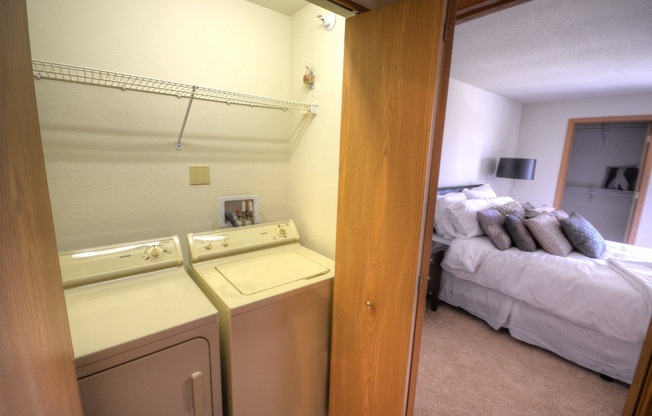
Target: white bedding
point(587, 292)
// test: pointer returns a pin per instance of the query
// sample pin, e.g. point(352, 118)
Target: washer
point(274, 297)
point(145, 338)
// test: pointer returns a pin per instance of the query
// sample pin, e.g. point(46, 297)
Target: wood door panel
point(390, 71)
point(37, 373)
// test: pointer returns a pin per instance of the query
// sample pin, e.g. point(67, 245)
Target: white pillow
point(501, 200)
point(468, 254)
point(443, 225)
point(480, 192)
point(464, 216)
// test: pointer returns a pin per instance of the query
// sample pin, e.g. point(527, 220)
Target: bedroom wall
point(480, 127)
point(542, 135)
point(113, 172)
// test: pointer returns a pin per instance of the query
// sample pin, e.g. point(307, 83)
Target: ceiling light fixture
point(328, 20)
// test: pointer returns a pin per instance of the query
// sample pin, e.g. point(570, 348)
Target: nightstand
point(434, 274)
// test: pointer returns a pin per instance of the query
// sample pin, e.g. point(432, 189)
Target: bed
point(590, 307)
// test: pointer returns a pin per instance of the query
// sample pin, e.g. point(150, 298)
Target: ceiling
point(287, 7)
point(550, 50)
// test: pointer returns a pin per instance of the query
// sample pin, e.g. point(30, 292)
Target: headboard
point(450, 189)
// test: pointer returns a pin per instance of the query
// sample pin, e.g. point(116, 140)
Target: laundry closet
point(151, 116)
point(604, 168)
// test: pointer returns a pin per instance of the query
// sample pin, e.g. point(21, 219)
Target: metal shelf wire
point(79, 74)
point(100, 77)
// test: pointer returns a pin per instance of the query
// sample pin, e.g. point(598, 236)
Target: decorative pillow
point(492, 223)
point(519, 234)
point(527, 205)
point(511, 208)
point(583, 235)
point(533, 212)
point(480, 192)
point(464, 216)
point(559, 214)
point(443, 224)
point(547, 231)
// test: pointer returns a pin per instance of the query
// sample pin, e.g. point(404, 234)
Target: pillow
point(464, 216)
point(493, 224)
point(480, 192)
point(533, 212)
point(443, 224)
point(467, 255)
point(511, 208)
point(547, 231)
point(501, 200)
point(519, 234)
point(583, 235)
point(557, 213)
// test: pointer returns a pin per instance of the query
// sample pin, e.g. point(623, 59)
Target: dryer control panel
point(87, 266)
point(225, 242)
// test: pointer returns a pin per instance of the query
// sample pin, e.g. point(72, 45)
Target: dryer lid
point(264, 272)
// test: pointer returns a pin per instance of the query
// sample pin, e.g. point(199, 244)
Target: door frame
point(643, 178)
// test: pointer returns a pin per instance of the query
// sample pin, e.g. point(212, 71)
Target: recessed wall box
point(238, 211)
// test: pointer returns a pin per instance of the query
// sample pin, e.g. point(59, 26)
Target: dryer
point(274, 297)
point(145, 338)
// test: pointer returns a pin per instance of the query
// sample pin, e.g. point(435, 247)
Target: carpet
point(468, 368)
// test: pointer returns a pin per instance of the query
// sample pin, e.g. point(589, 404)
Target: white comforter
point(585, 291)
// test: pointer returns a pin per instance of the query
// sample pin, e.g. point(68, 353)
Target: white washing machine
point(274, 298)
point(145, 338)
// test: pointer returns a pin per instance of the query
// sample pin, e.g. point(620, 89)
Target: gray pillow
point(492, 223)
point(583, 235)
point(517, 230)
point(547, 231)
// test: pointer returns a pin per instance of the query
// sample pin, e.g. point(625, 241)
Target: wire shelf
point(100, 77)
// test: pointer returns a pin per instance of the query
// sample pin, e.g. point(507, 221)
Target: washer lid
point(264, 272)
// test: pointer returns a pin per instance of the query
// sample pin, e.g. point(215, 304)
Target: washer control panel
point(219, 243)
point(102, 263)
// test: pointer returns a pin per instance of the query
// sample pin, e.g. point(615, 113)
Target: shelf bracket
point(185, 118)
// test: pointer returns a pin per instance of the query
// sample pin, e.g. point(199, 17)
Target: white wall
point(314, 155)
point(113, 172)
point(480, 127)
point(543, 132)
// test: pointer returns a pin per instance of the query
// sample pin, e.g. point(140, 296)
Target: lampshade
point(515, 168)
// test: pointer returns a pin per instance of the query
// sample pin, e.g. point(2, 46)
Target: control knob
point(155, 252)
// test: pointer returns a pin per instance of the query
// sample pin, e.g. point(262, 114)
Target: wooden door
point(37, 373)
point(390, 87)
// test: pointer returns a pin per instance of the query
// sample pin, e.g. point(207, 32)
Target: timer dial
point(155, 252)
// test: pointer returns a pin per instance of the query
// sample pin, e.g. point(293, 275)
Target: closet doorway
point(605, 172)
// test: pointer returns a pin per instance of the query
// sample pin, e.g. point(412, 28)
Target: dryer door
point(174, 381)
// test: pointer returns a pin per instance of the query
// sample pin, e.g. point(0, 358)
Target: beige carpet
point(467, 368)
